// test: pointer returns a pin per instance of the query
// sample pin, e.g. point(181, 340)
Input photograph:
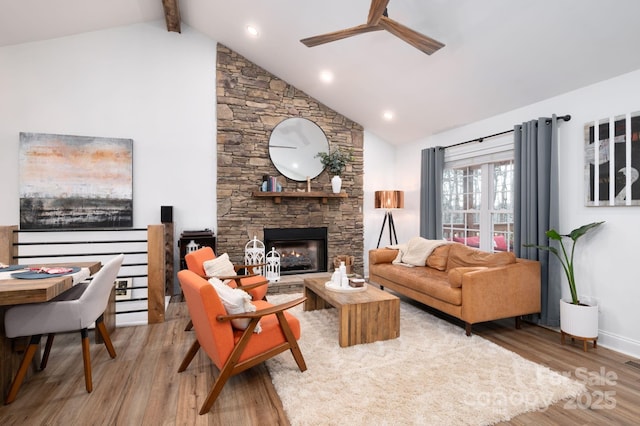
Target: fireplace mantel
point(278, 196)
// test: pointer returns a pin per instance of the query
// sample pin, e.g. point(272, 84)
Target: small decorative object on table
point(356, 282)
point(348, 289)
point(348, 262)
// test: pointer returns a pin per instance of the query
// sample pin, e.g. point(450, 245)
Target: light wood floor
point(142, 386)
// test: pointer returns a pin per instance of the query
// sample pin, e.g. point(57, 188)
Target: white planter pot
point(579, 320)
point(336, 184)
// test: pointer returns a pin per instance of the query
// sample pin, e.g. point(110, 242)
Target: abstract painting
point(71, 182)
point(612, 161)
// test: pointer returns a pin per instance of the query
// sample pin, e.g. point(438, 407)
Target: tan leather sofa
point(469, 284)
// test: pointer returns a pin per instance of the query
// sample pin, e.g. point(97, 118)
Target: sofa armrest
point(382, 255)
point(501, 292)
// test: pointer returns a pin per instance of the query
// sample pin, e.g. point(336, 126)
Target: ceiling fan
point(379, 20)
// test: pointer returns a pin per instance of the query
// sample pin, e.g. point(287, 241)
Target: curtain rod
point(563, 117)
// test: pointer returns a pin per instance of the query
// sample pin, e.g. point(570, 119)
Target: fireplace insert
point(302, 250)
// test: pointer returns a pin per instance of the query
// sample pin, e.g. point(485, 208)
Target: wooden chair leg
point(229, 367)
point(467, 329)
point(193, 350)
point(293, 343)
point(189, 326)
point(224, 375)
point(47, 351)
point(86, 358)
point(105, 336)
point(34, 345)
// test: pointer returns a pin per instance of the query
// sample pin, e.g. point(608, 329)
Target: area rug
point(431, 375)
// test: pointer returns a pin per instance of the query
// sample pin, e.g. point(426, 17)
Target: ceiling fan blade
point(338, 35)
point(414, 38)
point(376, 10)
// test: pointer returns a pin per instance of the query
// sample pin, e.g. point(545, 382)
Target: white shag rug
point(433, 374)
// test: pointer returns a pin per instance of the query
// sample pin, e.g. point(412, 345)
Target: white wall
point(606, 259)
point(379, 160)
point(139, 82)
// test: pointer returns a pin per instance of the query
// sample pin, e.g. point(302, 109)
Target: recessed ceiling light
point(253, 31)
point(326, 76)
point(388, 115)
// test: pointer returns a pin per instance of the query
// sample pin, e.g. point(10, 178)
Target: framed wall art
point(75, 182)
point(123, 288)
point(612, 161)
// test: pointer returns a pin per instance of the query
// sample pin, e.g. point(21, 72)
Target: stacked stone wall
point(250, 103)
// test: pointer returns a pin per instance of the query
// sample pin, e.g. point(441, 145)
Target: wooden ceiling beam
point(171, 15)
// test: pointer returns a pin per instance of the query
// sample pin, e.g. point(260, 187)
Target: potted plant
point(336, 162)
point(576, 319)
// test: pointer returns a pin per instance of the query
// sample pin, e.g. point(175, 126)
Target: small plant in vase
point(336, 162)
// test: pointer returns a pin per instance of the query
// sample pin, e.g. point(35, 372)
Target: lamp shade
point(389, 200)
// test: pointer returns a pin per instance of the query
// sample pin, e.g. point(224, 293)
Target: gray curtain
point(431, 193)
point(536, 205)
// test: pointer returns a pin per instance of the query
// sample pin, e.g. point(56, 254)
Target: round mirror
point(293, 146)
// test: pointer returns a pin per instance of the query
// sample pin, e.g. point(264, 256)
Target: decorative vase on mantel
point(336, 184)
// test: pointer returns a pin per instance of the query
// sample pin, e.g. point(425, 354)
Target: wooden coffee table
point(364, 317)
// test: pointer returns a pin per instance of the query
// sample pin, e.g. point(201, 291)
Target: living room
point(158, 88)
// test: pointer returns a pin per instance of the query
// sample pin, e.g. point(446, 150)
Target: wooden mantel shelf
point(278, 196)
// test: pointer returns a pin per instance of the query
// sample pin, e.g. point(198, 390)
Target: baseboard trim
point(619, 343)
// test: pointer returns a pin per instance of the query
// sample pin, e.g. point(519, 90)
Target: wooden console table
point(278, 196)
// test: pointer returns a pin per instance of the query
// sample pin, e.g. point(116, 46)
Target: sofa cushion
point(461, 255)
point(420, 278)
point(455, 274)
point(439, 257)
point(382, 255)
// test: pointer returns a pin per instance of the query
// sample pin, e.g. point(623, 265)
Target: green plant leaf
point(554, 235)
point(579, 232)
point(335, 161)
point(566, 259)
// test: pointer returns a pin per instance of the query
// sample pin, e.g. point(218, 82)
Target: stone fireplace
point(250, 103)
point(302, 250)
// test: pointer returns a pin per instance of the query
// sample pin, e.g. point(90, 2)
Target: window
point(477, 195)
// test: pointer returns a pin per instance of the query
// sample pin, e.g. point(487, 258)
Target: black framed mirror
point(293, 146)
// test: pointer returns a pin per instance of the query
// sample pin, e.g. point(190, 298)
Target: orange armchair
point(256, 285)
point(232, 350)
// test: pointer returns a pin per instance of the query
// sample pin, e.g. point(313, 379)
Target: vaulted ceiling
point(498, 55)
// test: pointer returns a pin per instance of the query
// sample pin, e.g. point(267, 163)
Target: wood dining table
point(16, 291)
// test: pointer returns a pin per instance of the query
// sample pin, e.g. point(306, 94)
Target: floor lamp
point(389, 200)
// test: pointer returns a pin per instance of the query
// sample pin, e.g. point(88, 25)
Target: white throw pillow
point(235, 301)
point(221, 266)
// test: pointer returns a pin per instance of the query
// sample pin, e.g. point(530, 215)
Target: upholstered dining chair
point(233, 350)
point(74, 310)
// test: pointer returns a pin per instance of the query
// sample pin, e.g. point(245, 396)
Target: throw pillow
point(235, 301)
point(461, 255)
point(438, 257)
point(221, 266)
